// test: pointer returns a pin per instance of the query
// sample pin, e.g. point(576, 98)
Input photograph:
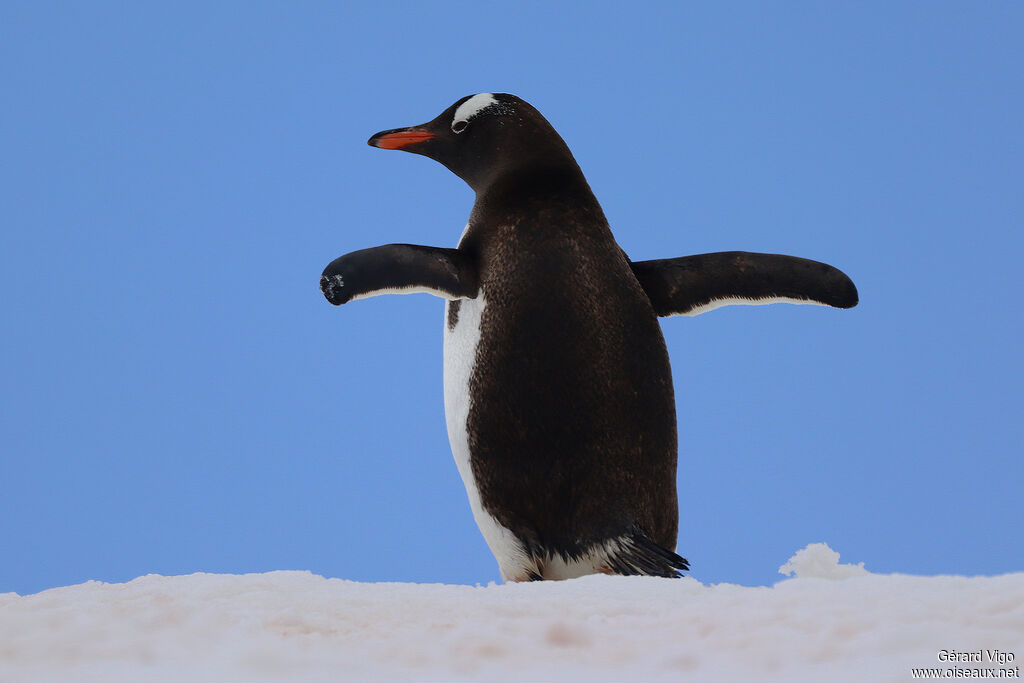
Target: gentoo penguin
point(557, 388)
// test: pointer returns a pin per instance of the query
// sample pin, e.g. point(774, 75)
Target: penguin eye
point(459, 126)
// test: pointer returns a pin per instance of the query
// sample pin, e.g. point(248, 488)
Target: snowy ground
point(831, 622)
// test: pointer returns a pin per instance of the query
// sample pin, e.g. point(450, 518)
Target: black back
point(572, 422)
point(571, 426)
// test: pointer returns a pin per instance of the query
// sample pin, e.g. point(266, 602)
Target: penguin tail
point(634, 554)
point(631, 554)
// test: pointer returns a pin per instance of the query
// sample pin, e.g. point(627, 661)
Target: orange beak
point(399, 138)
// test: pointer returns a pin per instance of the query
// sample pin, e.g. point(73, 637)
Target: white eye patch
point(470, 108)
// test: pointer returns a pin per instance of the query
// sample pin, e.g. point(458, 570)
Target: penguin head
point(481, 137)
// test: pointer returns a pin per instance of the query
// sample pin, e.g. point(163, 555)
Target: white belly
point(460, 347)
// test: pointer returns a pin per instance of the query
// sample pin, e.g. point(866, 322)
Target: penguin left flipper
point(399, 269)
point(691, 285)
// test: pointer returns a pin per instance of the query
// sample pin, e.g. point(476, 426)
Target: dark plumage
point(557, 382)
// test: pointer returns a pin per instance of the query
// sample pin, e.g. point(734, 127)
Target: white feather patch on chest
point(460, 348)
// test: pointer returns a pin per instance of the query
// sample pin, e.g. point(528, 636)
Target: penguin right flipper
point(691, 285)
point(399, 269)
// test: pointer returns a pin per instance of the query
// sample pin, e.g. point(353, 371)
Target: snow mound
point(296, 626)
point(818, 561)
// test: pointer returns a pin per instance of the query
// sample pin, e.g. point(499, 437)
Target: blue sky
point(178, 397)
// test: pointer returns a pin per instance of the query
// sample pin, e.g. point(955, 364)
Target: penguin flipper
point(691, 285)
point(399, 269)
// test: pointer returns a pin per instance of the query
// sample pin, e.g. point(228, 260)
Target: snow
point(818, 561)
point(831, 622)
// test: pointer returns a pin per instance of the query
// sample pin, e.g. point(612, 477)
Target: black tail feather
point(639, 555)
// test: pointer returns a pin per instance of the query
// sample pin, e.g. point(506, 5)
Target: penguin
point(557, 387)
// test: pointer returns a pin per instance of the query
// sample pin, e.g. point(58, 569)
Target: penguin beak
point(400, 138)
